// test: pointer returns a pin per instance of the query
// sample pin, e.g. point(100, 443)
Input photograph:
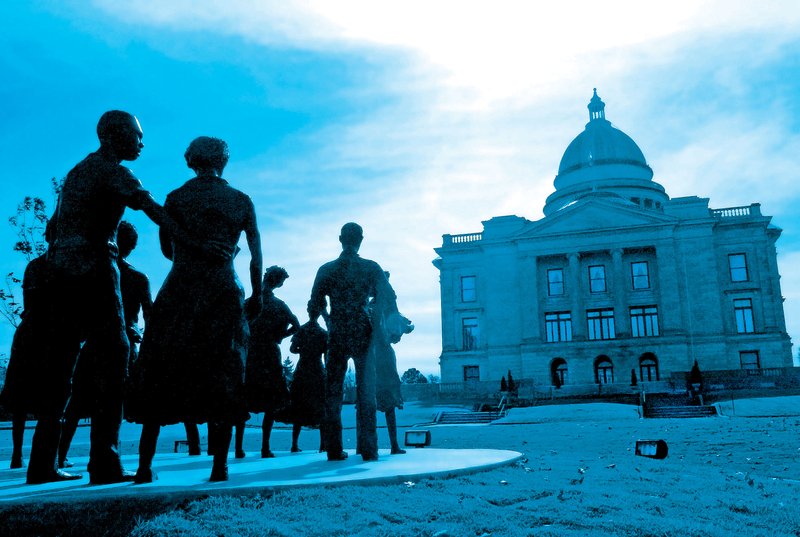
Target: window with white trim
point(644, 321)
point(743, 311)
point(600, 323)
point(468, 288)
point(597, 279)
point(737, 265)
point(558, 326)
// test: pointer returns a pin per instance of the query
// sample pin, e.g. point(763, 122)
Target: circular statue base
point(181, 473)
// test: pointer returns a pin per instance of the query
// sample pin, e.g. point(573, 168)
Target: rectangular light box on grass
point(418, 438)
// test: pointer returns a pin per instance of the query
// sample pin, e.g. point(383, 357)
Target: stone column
point(671, 291)
point(529, 292)
point(575, 291)
point(621, 312)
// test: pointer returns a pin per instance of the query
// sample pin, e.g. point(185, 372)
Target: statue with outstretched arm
point(85, 305)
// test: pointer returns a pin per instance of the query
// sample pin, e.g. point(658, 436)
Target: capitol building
point(617, 277)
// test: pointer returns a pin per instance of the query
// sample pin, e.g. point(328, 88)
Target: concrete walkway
point(178, 473)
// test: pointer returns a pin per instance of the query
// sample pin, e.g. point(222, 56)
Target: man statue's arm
point(256, 259)
point(317, 303)
point(158, 215)
point(130, 190)
point(146, 299)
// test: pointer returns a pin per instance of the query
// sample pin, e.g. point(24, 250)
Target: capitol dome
point(603, 158)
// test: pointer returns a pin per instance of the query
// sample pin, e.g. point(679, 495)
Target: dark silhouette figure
point(192, 438)
point(19, 394)
point(349, 282)
point(135, 288)
point(265, 383)
point(84, 298)
point(387, 329)
point(307, 392)
point(191, 363)
point(694, 382)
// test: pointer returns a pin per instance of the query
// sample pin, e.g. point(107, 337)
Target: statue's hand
point(217, 250)
point(396, 325)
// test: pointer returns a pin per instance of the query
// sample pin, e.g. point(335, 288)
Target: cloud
point(481, 101)
point(497, 50)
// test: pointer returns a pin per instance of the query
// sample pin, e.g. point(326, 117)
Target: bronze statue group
point(207, 355)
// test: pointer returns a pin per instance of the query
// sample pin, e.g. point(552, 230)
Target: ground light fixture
point(654, 449)
point(418, 438)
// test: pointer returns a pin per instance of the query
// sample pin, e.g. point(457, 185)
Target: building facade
point(616, 278)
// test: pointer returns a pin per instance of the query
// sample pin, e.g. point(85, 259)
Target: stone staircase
point(676, 406)
point(681, 412)
point(457, 418)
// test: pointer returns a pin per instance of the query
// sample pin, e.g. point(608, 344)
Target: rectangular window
point(468, 289)
point(749, 360)
point(640, 275)
point(737, 263)
point(469, 333)
point(644, 321)
point(597, 279)
point(558, 326)
point(472, 373)
point(743, 310)
point(601, 323)
point(555, 282)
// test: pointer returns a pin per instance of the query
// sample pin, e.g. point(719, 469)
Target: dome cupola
point(603, 158)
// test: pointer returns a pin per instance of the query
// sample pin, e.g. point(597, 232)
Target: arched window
point(603, 370)
point(558, 372)
point(648, 367)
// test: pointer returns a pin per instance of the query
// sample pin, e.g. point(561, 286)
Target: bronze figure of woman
point(191, 362)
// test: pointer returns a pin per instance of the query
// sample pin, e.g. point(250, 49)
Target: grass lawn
point(736, 475)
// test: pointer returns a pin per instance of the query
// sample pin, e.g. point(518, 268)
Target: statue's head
point(274, 277)
point(206, 154)
point(351, 235)
point(127, 237)
point(121, 133)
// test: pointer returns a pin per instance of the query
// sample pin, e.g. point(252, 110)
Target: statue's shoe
point(52, 476)
point(267, 454)
point(144, 475)
point(16, 462)
point(108, 479)
point(240, 454)
point(337, 456)
point(219, 473)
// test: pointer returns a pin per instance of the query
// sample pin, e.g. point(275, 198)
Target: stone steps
point(683, 411)
point(466, 417)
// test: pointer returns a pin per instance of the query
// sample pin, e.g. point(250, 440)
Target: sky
point(413, 118)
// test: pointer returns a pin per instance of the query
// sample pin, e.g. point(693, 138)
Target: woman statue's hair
point(206, 152)
point(274, 277)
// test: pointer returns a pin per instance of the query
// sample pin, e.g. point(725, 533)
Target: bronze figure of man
point(84, 296)
point(349, 282)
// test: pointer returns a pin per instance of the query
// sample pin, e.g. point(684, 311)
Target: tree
point(434, 379)
point(30, 223)
point(288, 370)
point(503, 384)
point(413, 376)
point(634, 380)
point(512, 386)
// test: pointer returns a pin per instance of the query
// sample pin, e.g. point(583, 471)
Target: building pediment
point(592, 215)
